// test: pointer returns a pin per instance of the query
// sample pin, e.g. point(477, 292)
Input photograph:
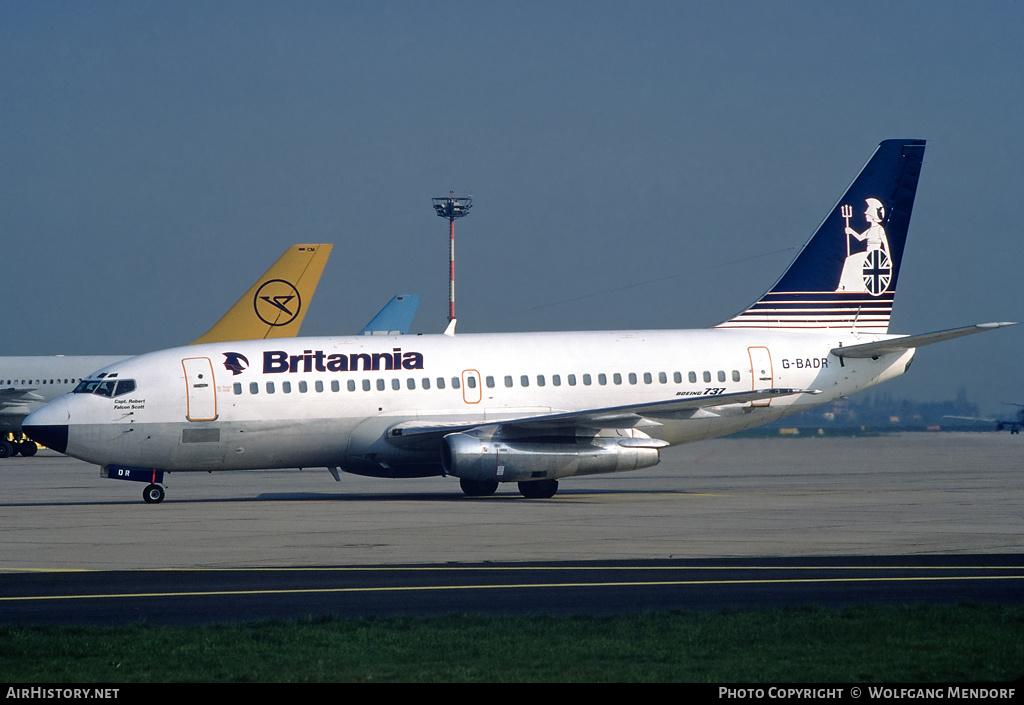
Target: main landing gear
point(9, 448)
point(534, 489)
point(539, 489)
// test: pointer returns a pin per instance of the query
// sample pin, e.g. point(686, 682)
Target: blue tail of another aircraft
point(845, 276)
point(395, 318)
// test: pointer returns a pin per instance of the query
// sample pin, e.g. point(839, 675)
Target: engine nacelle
point(471, 458)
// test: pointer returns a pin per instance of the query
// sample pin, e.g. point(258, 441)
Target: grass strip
point(909, 644)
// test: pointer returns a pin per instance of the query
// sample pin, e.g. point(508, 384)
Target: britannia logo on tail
point(868, 270)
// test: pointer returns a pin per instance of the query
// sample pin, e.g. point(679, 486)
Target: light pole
point(452, 207)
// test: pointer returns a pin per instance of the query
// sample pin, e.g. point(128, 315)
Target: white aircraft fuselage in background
point(526, 407)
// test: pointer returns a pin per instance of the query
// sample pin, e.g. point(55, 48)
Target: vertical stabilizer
point(395, 318)
point(276, 304)
point(845, 276)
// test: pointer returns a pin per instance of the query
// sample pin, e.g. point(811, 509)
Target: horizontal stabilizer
point(906, 342)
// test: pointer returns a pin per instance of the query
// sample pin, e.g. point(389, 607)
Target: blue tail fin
point(395, 318)
point(845, 276)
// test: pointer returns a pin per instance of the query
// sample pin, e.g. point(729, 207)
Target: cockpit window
point(106, 389)
point(124, 386)
point(109, 387)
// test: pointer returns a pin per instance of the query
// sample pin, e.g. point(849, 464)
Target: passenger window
point(254, 388)
point(735, 375)
point(663, 378)
point(721, 375)
point(426, 382)
point(410, 383)
point(286, 387)
point(396, 384)
point(319, 386)
point(556, 380)
point(471, 382)
point(632, 377)
point(366, 385)
point(524, 381)
point(237, 387)
point(602, 379)
point(380, 385)
point(490, 382)
point(540, 380)
point(270, 387)
point(440, 382)
point(508, 380)
point(707, 376)
point(572, 380)
point(303, 387)
point(455, 383)
point(617, 378)
point(586, 380)
point(692, 377)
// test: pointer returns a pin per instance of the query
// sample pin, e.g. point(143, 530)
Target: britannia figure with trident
point(870, 270)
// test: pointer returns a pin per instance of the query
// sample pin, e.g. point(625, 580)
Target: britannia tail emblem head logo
point(868, 266)
point(277, 302)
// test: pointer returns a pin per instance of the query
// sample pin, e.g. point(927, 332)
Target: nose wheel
point(153, 494)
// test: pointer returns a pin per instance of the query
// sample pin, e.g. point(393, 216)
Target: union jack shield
point(877, 272)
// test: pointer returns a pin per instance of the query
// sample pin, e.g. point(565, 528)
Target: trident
point(846, 212)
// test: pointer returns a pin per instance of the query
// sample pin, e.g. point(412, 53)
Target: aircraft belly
point(184, 447)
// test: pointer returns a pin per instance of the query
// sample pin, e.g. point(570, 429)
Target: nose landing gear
point(154, 492)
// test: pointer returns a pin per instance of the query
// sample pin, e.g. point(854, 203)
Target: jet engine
point(490, 460)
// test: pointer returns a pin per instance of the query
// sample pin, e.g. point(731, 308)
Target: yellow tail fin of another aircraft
point(276, 304)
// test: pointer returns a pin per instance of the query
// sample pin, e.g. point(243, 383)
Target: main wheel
point(538, 489)
point(478, 488)
point(6, 449)
point(153, 494)
point(27, 448)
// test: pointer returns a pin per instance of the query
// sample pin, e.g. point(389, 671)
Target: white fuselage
point(29, 382)
point(307, 402)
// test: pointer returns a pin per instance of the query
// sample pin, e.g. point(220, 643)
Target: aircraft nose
point(49, 425)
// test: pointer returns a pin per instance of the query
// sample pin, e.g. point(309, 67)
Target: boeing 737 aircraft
point(531, 408)
point(272, 308)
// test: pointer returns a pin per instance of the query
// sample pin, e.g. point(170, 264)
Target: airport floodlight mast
point(452, 207)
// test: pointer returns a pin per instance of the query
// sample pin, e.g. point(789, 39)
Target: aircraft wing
point(17, 397)
point(422, 432)
point(906, 342)
point(395, 318)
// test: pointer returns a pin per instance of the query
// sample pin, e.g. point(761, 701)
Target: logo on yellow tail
point(277, 302)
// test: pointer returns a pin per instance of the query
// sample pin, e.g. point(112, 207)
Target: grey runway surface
point(904, 494)
point(253, 594)
point(896, 504)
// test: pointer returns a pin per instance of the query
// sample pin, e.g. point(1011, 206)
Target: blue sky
point(633, 165)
